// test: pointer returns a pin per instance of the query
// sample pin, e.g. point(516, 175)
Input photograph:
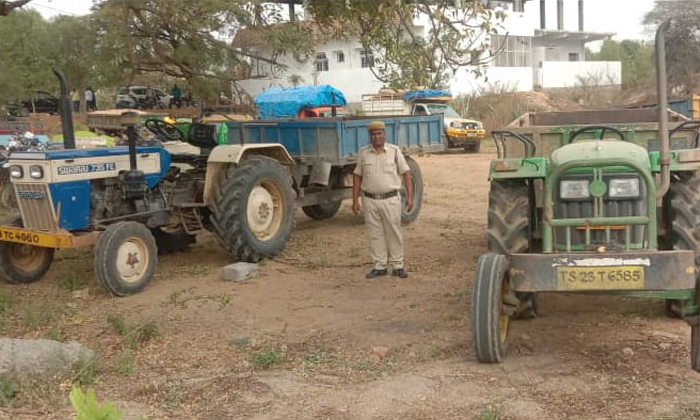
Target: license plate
point(600, 278)
point(471, 134)
point(29, 237)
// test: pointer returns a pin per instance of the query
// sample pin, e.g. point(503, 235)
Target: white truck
point(460, 132)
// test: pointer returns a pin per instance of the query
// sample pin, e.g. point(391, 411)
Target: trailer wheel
point(490, 311)
point(322, 211)
point(172, 240)
point(417, 182)
point(253, 208)
point(21, 263)
point(508, 230)
point(125, 258)
point(683, 219)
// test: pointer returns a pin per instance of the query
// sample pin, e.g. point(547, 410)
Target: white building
point(528, 59)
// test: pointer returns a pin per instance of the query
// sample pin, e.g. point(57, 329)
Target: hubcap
point(132, 260)
point(264, 210)
point(27, 257)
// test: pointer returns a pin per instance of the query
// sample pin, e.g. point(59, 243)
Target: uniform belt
point(381, 196)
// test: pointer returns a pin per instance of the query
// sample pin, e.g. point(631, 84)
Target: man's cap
point(376, 125)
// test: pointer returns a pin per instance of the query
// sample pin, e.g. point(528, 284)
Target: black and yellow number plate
point(600, 278)
point(30, 237)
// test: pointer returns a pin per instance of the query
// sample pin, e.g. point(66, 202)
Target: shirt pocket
point(389, 165)
point(367, 168)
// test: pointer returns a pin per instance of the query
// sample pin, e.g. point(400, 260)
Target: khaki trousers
point(383, 226)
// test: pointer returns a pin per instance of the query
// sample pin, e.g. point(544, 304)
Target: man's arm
point(356, 184)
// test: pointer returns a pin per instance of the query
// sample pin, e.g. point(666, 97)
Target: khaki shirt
point(381, 171)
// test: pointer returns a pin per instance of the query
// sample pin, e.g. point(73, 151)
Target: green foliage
point(73, 281)
point(125, 363)
point(266, 359)
point(491, 411)
point(317, 357)
point(87, 407)
point(85, 372)
point(239, 342)
point(134, 335)
point(35, 317)
point(636, 57)
point(6, 302)
point(8, 390)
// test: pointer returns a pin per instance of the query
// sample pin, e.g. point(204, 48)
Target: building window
point(321, 62)
point(340, 56)
point(512, 51)
point(573, 56)
point(366, 59)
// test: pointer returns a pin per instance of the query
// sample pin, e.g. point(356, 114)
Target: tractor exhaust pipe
point(64, 106)
point(662, 99)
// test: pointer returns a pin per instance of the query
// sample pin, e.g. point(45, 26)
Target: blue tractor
point(132, 202)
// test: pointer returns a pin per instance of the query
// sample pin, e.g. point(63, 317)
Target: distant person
point(89, 99)
point(94, 100)
point(176, 94)
point(75, 98)
point(151, 99)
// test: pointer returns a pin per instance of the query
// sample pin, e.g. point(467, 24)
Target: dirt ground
point(311, 338)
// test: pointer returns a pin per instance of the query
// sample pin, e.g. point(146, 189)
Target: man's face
point(377, 138)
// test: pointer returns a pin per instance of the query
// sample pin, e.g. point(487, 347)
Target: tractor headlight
point(574, 188)
point(16, 171)
point(36, 171)
point(623, 188)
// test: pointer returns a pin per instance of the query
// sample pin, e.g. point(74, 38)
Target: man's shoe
point(375, 273)
point(400, 273)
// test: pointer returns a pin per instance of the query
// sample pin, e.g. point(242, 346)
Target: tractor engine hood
point(601, 153)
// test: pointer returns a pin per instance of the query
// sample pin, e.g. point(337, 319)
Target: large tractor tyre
point(125, 258)
point(683, 221)
point(169, 241)
point(417, 183)
point(322, 211)
point(253, 209)
point(508, 230)
point(22, 263)
point(492, 304)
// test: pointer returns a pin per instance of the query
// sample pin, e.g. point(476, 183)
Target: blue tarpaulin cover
point(287, 102)
point(412, 95)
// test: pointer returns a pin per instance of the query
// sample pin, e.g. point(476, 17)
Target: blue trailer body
point(338, 140)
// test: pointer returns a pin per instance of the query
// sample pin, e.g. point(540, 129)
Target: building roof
point(553, 35)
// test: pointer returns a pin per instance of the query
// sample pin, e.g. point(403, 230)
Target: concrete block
point(240, 271)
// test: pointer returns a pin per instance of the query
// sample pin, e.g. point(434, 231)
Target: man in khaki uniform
point(377, 177)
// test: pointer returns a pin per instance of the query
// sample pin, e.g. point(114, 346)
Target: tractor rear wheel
point(253, 209)
point(508, 230)
point(22, 263)
point(491, 309)
point(683, 220)
point(125, 258)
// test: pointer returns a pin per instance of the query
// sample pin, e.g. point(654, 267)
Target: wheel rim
point(27, 258)
point(504, 318)
point(265, 210)
point(132, 260)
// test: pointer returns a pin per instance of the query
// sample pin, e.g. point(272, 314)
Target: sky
point(622, 17)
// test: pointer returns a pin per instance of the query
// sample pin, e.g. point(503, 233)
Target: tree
point(454, 37)
point(188, 40)
point(7, 6)
point(682, 41)
point(636, 58)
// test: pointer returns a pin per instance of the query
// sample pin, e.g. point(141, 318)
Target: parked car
point(41, 102)
point(135, 97)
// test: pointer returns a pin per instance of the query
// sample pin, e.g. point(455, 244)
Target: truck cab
point(460, 132)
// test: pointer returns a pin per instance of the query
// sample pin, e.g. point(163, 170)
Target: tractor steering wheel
point(593, 128)
point(163, 129)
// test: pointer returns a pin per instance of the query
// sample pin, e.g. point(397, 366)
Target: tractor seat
point(202, 135)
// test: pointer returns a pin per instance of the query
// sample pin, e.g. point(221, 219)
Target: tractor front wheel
point(21, 263)
point(492, 304)
point(125, 258)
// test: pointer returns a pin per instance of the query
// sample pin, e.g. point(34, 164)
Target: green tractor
point(606, 208)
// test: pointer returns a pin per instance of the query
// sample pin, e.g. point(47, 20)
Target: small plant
point(35, 318)
point(125, 363)
point(118, 323)
point(266, 359)
point(87, 407)
point(317, 357)
point(55, 333)
point(491, 411)
point(239, 342)
point(6, 302)
point(85, 372)
point(8, 390)
point(133, 335)
point(73, 281)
